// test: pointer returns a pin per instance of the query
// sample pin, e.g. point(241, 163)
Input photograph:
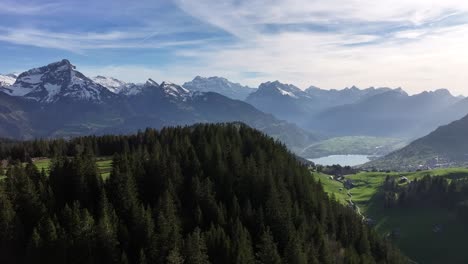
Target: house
point(403, 179)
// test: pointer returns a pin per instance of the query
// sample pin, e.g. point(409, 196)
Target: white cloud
point(416, 44)
point(81, 41)
point(251, 12)
point(426, 57)
point(432, 62)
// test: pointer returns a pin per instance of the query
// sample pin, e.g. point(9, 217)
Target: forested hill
point(445, 147)
point(200, 194)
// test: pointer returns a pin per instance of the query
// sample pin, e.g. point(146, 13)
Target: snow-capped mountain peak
point(174, 90)
point(219, 85)
point(7, 80)
point(112, 84)
point(56, 81)
point(282, 89)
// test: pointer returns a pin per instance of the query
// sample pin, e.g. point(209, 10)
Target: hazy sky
point(415, 44)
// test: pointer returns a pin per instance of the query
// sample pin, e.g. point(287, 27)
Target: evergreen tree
point(267, 252)
point(195, 248)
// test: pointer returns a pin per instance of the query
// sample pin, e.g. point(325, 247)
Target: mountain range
point(291, 103)
point(381, 112)
point(58, 101)
point(219, 85)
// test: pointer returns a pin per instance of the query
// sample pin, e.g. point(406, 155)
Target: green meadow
point(104, 165)
point(414, 225)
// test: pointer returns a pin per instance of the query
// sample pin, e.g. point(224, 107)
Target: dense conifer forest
point(429, 192)
point(201, 194)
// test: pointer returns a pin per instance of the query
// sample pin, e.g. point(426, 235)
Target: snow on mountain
point(55, 81)
point(277, 88)
point(283, 92)
point(7, 80)
point(174, 90)
point(120, 87)
point(112, 84)
point(131, 89)
point(166, 89)
point(219, 85)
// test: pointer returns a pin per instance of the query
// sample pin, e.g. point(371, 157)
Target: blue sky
point(414, 44)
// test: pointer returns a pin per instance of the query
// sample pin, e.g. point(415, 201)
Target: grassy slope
point(333, 187)
point(416, 237)
point(104, 165)
point(362, 145)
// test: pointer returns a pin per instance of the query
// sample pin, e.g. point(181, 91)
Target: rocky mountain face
point(57, 81)
point(285, 101)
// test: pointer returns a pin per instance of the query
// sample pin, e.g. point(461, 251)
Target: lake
point(343, 160)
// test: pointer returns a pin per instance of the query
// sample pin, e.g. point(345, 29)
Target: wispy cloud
point(82, 41)
point(334, 43)
point(28, 8)
point(417, 44)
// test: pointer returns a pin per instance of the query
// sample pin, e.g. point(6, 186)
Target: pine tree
point(267, 252)
point(174, 257)
point(106, 232)
point(7, 217)
point(243, 250)
point(294, 251)
point(195, 248)
point(33, 252)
